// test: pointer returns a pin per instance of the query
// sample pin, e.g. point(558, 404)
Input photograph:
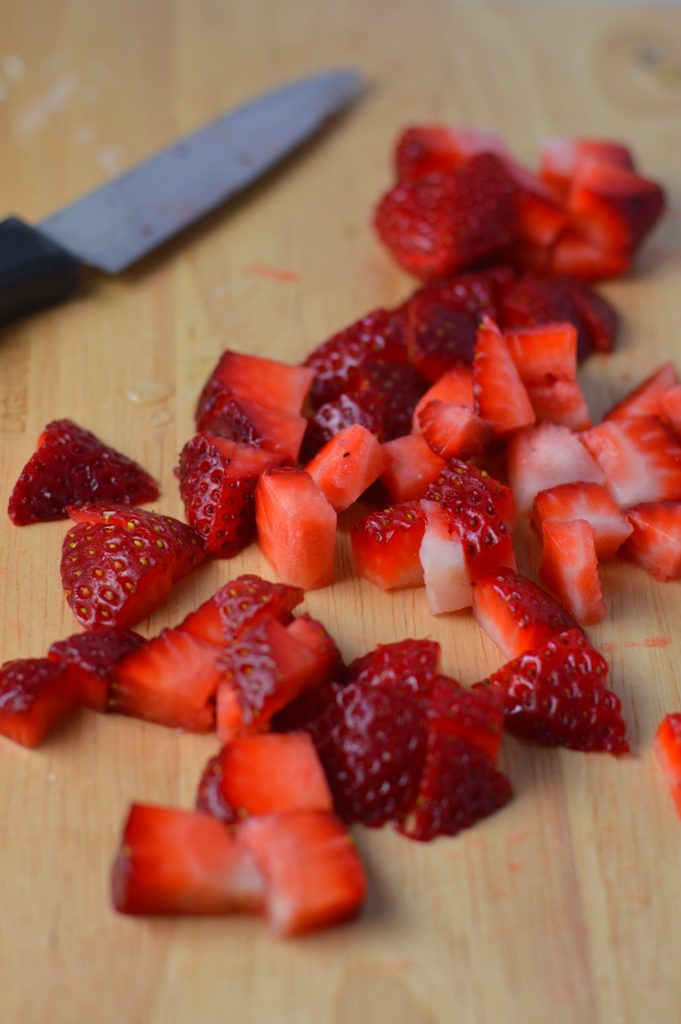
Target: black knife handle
point(34, 271)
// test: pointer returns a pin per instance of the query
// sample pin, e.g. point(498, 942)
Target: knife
point(118, 223)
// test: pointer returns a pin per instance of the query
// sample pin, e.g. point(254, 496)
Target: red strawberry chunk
point(90, 660)
point(113, 576)
point(454, 387)
point(443, 561)
point(556, 695)
point(360, 407)
point(670, 410)
point(313, 874)
point(585, 501)
point(254, 379)
point(475, 716)
point(35, 695)
point(646, 399)
point(533, 300)
point(426, 149)
point(600, 318)
point(240, 603)
point(667, 744)
point(254, 424)
point(412, 663)
point(439, 337)
point(452, 431)
point(560, 158)
point(346, 465)
point(172, 861)
point(499, 392)
point(217, 484)
point(544, 353)
point(412, 466)
point(545, 456)
point(570, 567)
point(516, 614)
point(447, 222)
point(655, 541)
point(640, 459)
point(386, 546)
point(613, 206)
point(296, 527)
point(541, 213)
point(561, 402)
point(397, 386)
point(72, 467)
point(579, 256)
point(262, 775)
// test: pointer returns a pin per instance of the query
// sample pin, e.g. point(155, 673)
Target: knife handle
point(34, 271)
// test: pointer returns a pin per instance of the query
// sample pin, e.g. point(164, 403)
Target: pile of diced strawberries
point(438, 424)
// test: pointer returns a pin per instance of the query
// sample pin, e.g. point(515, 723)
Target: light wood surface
point(565, 906)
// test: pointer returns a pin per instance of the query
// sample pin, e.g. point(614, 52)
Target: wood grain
point(564, 906)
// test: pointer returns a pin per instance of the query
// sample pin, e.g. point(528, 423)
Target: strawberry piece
point(561, 402)
point(640, 459)
point(543, 353)
point(172, 681)
point(670, 410)
point(447, 222)
point(72, 467)
point(613, 206)
point(217, 485)
point(172, 861)
point(533, 300)
point(499, 392)
point(113, 576)
point(90, 660)
point(254, 379)
point(667, 745)
point(35, 695)
point(412, 466)
point(263, 775)
point(580, 257)
point(386, 546)
point(254, 424)
point(475, 716)
point(516, 614)
point(570, 567)
point(242, 602)
point(296, 527)
point(545, 456)
point(361, 407)
point(443, 561)
point(475, 294)
point(646, 398)
point(655, 541)
point(600, 318)
point(556, 695)
point(453, 431)
point(560, 159)
point(584, 501)
point(397, 387)
point(454, 387)
point(541, 213)
point(438, 149)
point(317, 639)
point(378, 335)
point(346, 465)
point(175, 539)
point(313, 874)
point(439, 337)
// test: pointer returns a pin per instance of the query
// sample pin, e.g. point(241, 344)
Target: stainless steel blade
point(123, 220)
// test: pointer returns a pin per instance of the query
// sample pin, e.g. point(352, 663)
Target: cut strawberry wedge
point(639, 457)
point(585, 501)
point(670, 410)
point(655, 541)
point(545, 456)
point(613, 206)
point(254, 424)
point(499, 392)
point(441, 553)
point(560, 159)
point(346, 465)
point(313, 874)
point(577, 255)
point(172, 861)
point(541, 213)
point(599, 317)
point(570, 568)
point(667, 744)
point(455, 387)
point(386, 546)
point(319, 641)
point(646, 399)
point(412, 466)
point(276, 772)
point(35, 695)
point(90, 660)
point(296, 527)
point(426, 149)
point(263, 381)
point(361, 407)
point(398, 387)
point(544, 353)
point(561, 402)
point(439, 337)
point(239, 603)
point(453, 431)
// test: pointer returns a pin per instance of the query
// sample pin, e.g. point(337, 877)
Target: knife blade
point(123, 220)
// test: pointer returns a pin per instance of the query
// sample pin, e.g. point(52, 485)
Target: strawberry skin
point(499, 392)
point(254, 424)
point(556, 695)
point(71, 467)
point(570, 567)
point(386, 544)
point(90, 659)
point(584, 501)
point(667, 744)
point(266, 382)
point(35, 695)
point(438, 336)
point(240, 603)
point(330, 418)
point(640, 458)
point(535, 299)
point(655, 541)
point(426, 149)
point(397, 386)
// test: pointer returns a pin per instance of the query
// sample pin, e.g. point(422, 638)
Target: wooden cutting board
point(565, 905)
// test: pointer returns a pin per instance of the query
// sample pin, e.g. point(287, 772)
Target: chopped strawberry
point(72, 467)
point(545, 456)
point(113, 576)
point(378, 335)
point(584, 501)
point(475, 293)
point(172, 681)
point(541, 213)
point(579, 256)
point(447, 222)
point(545, 352)
point(386, 546)
point(439, 337)
point(35, 695)
point(346, 465)
point(561, 402)
point(556, 695)
point(443, 561)
point(317, 639)
point(264, 774)
point(640, 458)
point(560, 159)
point(600, 318)
point(254, 379)
point(454, 387)
point(254, 424)
point(570, 567)
point(412, 466)
point(655, 541)
point(516, 614)
point(475, 715)
point(453, 431)
point(613, 206)
point(397, 386)
point(240, 603)
point(667, 744)
point(172, 861)
point(313, 874)
point(646, 399)
point(533, 300)
point(296, 527)
point(436, 149)
point(670, 410)
point(217, 484)
point(499, 392)
point(361, 407)
point(90, 660)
